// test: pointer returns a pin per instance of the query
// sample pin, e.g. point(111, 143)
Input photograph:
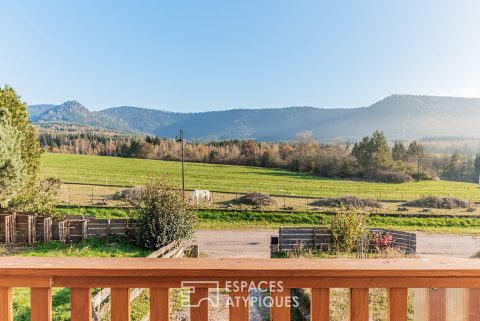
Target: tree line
point(373, 158)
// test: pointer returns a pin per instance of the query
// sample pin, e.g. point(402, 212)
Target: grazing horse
point(199, 195)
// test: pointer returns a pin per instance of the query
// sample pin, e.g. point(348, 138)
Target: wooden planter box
point(44, 229)
point(60, 231)
point(7, 228)
point(25, 228)
point(78, 231)
point(104, 228)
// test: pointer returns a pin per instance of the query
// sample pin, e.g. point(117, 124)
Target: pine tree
point(12, 171)
point(20, 150)
point(417, 154)
point(399, 152)
point(477, 165)
point(16, 115)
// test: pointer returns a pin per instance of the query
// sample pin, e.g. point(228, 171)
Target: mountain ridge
point(399, 116)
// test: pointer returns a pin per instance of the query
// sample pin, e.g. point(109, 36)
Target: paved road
point(256, 243)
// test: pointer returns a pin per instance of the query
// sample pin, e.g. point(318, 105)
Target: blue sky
point(210, 55)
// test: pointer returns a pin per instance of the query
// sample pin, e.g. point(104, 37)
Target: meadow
point(112, 171)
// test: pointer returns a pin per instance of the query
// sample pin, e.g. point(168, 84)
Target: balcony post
point(280, 309)
point(320, 305)
point(240, 306)
point(6, 308)
point(397, 304)
point(81, 304)
point(120, 304)
point(159, 304)
point(358, 304)
point(41, 304)
point(199, 304)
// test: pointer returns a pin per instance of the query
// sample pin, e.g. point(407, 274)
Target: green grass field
point(238, 179)
point(61, 296)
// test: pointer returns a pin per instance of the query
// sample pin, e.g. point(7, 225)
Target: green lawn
point(61, 296)
point(251, 219)
point(226, 178)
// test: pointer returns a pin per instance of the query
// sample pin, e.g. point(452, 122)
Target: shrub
point(348, 229)
point(388, 176)
point(347, 201)
point(431, 201)
point(300, 251)
point(383, 241)
point(256, 199)
point(165, 215)
point(12, 169)
point(40, 198)
point(130, 195)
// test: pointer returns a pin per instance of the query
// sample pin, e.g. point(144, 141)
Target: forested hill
point(399, 116)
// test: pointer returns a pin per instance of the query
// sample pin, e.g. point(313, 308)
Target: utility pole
point(181, 140)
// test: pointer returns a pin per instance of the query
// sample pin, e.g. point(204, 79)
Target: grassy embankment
point(272, 220)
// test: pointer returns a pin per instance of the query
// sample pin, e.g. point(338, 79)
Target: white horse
point(201, 195)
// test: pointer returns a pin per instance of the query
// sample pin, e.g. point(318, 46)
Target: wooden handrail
point(41, 274)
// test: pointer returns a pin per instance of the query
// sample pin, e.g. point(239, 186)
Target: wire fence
point(105, 196)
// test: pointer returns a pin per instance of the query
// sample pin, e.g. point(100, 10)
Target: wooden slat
point(159, 306)
point(320, 305)
point(437, 304)
point(41, 304)
point(358, 304)
point(81, 304)
point(199, 304)
point(6, 312)
point(120, 301)
point(280, 309)
point(457, 305)
point(397, 304)
point(240, 307)
point(474, 305)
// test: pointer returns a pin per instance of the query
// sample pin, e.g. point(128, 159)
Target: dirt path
point(256, 243)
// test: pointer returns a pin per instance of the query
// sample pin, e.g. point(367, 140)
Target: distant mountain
point(143, 119)
point(36, 110)
point(75, 113)
point(399, 116)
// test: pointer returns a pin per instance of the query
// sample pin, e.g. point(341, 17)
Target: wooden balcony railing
point(82, 274)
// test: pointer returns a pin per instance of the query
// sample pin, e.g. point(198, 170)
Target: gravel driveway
point(256, 244)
